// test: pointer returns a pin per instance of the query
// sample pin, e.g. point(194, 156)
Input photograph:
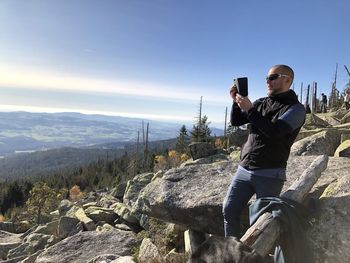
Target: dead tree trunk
point(264, 233)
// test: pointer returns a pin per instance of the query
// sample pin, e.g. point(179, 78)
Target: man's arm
point(292, 119)
point(238, 117)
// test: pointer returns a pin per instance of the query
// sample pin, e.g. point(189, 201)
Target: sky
point(154, 59)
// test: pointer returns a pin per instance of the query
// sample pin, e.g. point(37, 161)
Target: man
point(323, 103)
point(275, 123)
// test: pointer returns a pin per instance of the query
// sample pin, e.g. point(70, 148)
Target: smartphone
point(242, 86)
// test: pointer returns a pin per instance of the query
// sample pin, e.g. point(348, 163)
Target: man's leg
point(266, 186)
point(238, 194)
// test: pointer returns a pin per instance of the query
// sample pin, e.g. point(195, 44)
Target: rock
point(339, 114)
point(176, 235)
point(126, 259)
point(201, 150)
point(71, 212)
point(149, 252)
point(31, 244)
point(235, 156)
point(228, 250)
point(47, 229)
point(69, 226)
point(344, 137)
point(84, 246)
point(330, 233)
point(104, 227)
point(64, 206)
point(312, 121)
point(14, 260)
point(124, 212)
point(123, 227)
point(107, 200)
point(8, 241)
point(88, 223)
point(343, 149)
point(98, 214)
point(213, 158)
point(119, 191)
point(22, 226)
point(87, 205)
point(7, 226)
point(32, 258)
point(190, 196)
point(238, 138)
point(324, 142)
point(104, 258)
point(175, 257)
point(346, 118)
point(134, 186)
point(306, 133)
point(193, 240)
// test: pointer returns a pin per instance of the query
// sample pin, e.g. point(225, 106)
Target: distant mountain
point(24, 131)
point(41, 163)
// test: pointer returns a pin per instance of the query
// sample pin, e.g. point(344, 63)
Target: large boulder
point(98, 214)
point(201, 150)
point(87, 222)
point(47, 229)
point(312, 121)
point(124, 212)
point(238, 137)
point(330, 234)
point(7, 226)
point(346, 118)
point(8, 241)
point(69, 226)
point(149, 252)
point(119, 190)
point(191, 196)
point(31, 244)
point(84, 246)
point(306, 133)
point(325, 142)
point(134, 186)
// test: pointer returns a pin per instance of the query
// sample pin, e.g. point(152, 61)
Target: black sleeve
point(270, 129)
point(238, 117)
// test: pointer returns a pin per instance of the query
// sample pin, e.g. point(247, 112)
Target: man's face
point(279, 84)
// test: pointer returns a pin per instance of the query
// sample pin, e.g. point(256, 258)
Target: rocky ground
point(106, 226)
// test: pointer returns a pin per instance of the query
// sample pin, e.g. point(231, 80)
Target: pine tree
point(182, 140)
point(201, 131)
point(42, 200)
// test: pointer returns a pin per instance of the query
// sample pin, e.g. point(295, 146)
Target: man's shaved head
point(284, 69)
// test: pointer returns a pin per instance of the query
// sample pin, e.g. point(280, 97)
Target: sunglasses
point(275, 76)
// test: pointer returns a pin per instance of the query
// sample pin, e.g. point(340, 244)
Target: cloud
point(47, 80)
point(84, 111)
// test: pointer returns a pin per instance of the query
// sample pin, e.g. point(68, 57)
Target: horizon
point(155, 60)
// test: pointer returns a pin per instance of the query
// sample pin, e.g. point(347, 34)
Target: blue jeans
point(243, 186)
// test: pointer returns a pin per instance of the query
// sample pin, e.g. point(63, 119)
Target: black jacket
point(270, 138)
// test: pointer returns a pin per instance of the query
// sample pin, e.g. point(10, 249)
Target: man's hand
point(233, 92)
point(243, 102)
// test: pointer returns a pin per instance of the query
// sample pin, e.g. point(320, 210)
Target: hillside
point(42, 162)
point(23, 131)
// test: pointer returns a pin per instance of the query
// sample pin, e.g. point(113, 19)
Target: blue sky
point(154, 59)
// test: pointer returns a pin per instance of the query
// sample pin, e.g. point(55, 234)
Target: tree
point(42, 200)
point(201, 131)
point(182, 140)
point(75, 193)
